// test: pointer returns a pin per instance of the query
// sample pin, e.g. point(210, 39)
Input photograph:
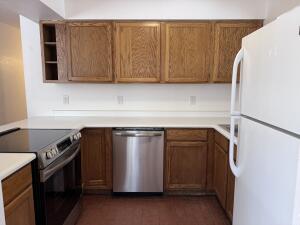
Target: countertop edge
point(22, 160)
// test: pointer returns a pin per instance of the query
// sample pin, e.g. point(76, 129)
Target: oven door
point(60, 186)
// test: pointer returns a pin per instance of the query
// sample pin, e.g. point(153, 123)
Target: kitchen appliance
point(267, 171)
point(56, 171)
point(138, 160)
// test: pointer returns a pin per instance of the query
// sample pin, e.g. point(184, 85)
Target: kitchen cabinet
point(90, 51)
point(220, 178)
point(230, 193)
point(228, 40)
point(54, 53)
point(18, 198)
point(224, 179)
point(97, 159)
point(188, 52)
point(186, 159)
point(137, 52)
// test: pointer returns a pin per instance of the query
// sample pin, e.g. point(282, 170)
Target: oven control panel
point(51, 153)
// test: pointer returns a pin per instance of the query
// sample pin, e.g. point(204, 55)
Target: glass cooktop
point(30, 140)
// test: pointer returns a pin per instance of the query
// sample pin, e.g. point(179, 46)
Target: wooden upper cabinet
point(188, 52)
point(137, 52)
point(90, 51)
point(186, 165)
point(228, 40)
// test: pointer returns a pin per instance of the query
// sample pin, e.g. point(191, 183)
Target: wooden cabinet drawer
point(16, 183)
point(20, 211)
point(222, 141)
point(187, 134)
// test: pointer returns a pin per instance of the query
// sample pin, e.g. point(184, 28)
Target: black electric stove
point(56, 171)
point(30, 140)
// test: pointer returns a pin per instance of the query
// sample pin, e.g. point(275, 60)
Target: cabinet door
point(90, 51)
point(137, 48)
point(20, 211)
point(230, 189)
point(228, 40)
point(97, 159)
point(188, 52)
point(220, 174)
point(186, 165)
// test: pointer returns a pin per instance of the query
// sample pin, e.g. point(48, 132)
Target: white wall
point(12, 93)
point(276, 7)
point(47, 99)
point(165, 9)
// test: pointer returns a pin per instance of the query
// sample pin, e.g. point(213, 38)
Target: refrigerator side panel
point(266, 191)
point(271, 73)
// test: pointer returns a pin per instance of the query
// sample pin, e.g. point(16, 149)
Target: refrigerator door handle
point(236, 63)
point(234, 168)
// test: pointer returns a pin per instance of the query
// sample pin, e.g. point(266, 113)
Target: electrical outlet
point(193, 100)
point(66, 100)
point(120, 100)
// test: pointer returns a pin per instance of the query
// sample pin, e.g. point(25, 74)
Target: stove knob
point(75, 137)
point(79, 135)
point(53, 151)
point(49, 155)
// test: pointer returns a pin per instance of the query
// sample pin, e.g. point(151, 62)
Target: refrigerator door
point(270, 77)
point(268, 187)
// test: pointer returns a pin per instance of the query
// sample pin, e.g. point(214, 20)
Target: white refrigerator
point(267, 170)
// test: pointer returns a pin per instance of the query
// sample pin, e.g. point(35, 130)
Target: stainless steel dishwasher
point(138, 160)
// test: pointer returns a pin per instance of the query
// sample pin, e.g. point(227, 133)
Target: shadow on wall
point(12, 90)
point(277, 7)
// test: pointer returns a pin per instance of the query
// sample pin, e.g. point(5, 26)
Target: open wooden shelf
point(50, 52)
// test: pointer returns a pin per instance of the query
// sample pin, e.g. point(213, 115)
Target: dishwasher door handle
point(144, 134)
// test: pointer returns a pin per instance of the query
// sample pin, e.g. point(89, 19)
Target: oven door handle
point(46, 173)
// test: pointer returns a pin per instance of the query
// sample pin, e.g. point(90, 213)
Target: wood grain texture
point(222, 141)
point(228, 39)
point(97, 159)
point(220, 174)
point(188, 52)
point(90, 51)
point(186, 165)
point(210, 161)
point(137, 52)
point(61, 50)
point(16, 183)
point(230, 189)
point(20, 211)
point(180, 134)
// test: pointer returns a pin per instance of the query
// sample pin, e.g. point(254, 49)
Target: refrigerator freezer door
point(270, 78)
point(267, 190)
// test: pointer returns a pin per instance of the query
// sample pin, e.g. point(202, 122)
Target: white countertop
point(79, 122)
point(11, 162)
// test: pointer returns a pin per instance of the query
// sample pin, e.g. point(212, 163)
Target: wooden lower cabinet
point(186, 165)
point(188, 160)
point(18, 198)
point(230, 193)
point(220, 177)
point(97, 159)
point(224, 180)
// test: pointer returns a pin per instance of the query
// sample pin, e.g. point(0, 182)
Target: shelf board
point(50, 43)
point(51, 62)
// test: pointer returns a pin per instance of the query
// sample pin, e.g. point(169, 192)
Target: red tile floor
point(160, 210)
